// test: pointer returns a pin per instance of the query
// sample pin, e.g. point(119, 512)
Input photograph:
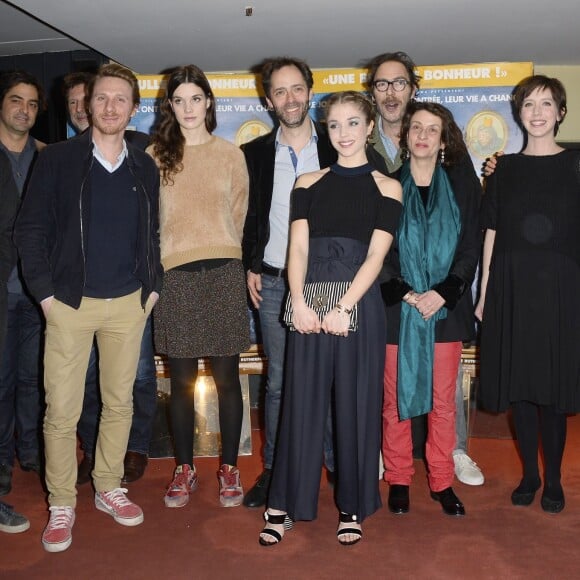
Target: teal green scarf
point(427, 238)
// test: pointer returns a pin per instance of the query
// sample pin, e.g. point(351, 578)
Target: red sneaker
point(116, 504)
point(231, 491)
point(57, 535)
point(184, 482)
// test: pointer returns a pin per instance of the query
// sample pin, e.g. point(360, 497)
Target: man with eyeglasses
point(393, 83)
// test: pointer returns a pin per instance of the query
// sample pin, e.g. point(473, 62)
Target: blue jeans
point(144, 400)
point(460, 423)
point(21, 392)
point(274, 334)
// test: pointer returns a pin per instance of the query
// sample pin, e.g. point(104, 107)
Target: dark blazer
point(9, 201)
point(260, 157)
point(138, 139)
point(52, 227)
point(456, 288)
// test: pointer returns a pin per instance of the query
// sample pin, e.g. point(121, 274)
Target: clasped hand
point(336, 323)
point(305, 320)
point(427, 303)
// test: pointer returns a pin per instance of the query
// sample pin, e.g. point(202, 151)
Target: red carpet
point(203, 540)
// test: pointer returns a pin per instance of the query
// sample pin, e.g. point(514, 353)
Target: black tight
point(530, 420)
point(225, 372)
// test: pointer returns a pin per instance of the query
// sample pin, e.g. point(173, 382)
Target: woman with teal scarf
point(426, 282)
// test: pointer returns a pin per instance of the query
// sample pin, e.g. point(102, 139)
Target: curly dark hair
point(455, 148)
point(168, 141)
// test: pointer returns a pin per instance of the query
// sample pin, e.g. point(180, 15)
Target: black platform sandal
point(346, 519)
point(279, 520)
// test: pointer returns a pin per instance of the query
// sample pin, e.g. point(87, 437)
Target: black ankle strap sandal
point(279, 520)
point(347, 519)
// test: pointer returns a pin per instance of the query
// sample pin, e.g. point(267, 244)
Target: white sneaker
point(466, 470)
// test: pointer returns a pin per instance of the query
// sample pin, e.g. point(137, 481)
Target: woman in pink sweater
point(202, 311)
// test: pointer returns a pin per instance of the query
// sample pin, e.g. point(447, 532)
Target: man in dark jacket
point(145, 387)
point(21, 396)
point(10, 521)
point(88, 239)
point(274, 162)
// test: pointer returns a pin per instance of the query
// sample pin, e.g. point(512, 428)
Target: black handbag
point(322, 297)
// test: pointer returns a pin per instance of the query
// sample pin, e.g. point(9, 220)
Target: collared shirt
point(390, 148)
point(110, 167)
point(288, 166)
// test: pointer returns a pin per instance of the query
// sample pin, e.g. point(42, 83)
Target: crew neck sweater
point(202, 213)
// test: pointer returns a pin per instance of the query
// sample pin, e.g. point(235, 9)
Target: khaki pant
point(118, 325)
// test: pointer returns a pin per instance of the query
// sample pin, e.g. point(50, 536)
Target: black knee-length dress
point(530, 343)
point(343, 209)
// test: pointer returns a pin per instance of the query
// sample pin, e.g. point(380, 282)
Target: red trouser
point(397, 443)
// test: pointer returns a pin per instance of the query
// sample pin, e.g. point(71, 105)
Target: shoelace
point(230, 478)
point(465, 460)
point(180, 480)
point(117, 497)
point(60, 517)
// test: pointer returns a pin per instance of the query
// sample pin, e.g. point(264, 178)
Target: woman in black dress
point(530, 357)
point(343, 220)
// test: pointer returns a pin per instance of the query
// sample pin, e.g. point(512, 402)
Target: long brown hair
point(168, 141)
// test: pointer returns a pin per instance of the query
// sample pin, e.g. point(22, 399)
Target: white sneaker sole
point(179, 502)
point(14, 529)
point(176, 502)
point(232, 502)
point(60, 547)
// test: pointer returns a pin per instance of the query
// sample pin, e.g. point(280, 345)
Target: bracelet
point(344, 309)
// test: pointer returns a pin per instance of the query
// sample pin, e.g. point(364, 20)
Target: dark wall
point(50, 68)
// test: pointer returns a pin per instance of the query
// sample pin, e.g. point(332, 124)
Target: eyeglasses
point(383, 85)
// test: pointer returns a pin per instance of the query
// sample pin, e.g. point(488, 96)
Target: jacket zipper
point(81, 221)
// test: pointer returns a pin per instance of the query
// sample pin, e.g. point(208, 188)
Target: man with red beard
point(88, 239)
point(145, 387)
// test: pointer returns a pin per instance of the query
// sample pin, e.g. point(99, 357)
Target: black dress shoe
point(258, 495)
point(31, 466)
point(525, 492)
point(135, 464)
point(553, 501)
point(84, 469)
point(450, 503)
point(399, 499)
